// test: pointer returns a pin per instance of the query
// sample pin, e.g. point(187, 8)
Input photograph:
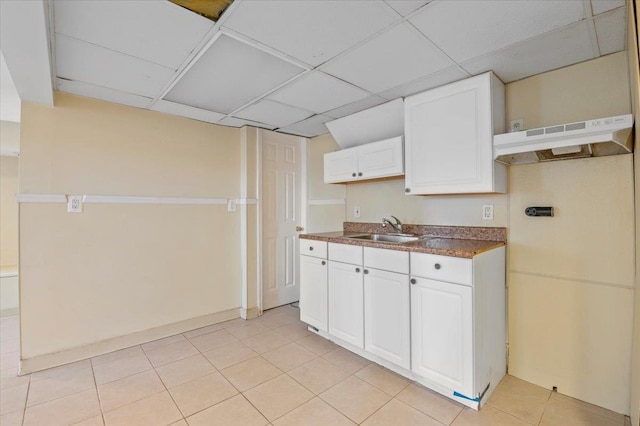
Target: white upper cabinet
point(369, 161)
point(449, 132)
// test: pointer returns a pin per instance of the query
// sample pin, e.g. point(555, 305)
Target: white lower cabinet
point(387, 316)
point(313, 291)
point(345, 302)
point(442, 325)
point(441, 333)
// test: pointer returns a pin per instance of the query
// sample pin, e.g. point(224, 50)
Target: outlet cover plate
point(487, 212)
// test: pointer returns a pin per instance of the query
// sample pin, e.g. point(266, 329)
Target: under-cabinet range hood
point(591, 138)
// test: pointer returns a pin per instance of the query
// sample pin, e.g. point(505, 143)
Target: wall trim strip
point(328, 202)
point(126, 199)
point(41, 198)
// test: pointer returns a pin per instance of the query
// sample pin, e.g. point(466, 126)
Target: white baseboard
point(42, 362)
point(248, 313)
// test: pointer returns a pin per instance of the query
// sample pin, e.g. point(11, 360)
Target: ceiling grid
point(292, 65)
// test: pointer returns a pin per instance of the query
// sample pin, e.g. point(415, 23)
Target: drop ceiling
point(293, 65)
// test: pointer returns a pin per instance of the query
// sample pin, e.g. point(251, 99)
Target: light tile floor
point(269, 370)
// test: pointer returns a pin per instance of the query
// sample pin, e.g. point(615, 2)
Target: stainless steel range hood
point(592, 138)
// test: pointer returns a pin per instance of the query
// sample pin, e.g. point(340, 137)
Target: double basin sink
point(386, 238)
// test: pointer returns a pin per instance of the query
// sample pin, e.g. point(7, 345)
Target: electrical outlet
point(231, 205)
point(356, 211)
point(516, 125)
point(487, 212)
point(74, 204)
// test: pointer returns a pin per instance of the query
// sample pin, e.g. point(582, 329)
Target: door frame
point(303, 203)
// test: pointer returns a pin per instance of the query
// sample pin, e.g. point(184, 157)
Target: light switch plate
point(74, 204)
point(487, 212)
point(231, 205)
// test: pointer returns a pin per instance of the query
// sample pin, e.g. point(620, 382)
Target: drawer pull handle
point(366, 271)
point(310, 248)
point(357, 269)
point(413, 281)
point(353, 174)
point(359, 173)
point(407, 190)
point(324, 263)
point(437, 266)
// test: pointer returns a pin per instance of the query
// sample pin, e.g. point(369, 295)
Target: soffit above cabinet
point(293, 65)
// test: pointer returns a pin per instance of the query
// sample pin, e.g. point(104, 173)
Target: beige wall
point(634, 74)
point(9, 137)
point(322, 217)
point(567, 288)
point(117, 269)
point(571, 278)
point(8, 213)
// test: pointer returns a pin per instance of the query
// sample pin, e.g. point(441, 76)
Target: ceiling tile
point(395, 57)
point(273, 113)
point(466, 29)
point(425, 83)
point(405, 7)
point(600, 6)
point(611, 31)
point(187, 111)
point(310, 31)
point(230, 74)
point(238, 122)
point(357, 106)
point(156, 31)
point(318, 92)
point(312, 126)
point(81, 61)
point(549, 51)
point(97, 92)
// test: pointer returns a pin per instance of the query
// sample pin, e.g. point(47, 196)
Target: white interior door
point(281, 215)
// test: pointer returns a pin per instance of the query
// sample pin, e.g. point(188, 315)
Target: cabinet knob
point(323, 263)
point(353, 174)
point(311, 248)
point(366, 271)
point(413, 281)
point(407, 190)
point(359, 173)
point(437, 266)
point(357, 269)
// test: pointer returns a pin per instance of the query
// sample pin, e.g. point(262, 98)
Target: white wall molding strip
point(41, 198)
point(119, 199)
point(328, 202)
point(125, 199)
point(246, 201)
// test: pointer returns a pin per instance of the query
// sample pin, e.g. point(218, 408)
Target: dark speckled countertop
point(457, 241)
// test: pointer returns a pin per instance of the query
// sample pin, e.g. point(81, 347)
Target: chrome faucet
point(396, 226)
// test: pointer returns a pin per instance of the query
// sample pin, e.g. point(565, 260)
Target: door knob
point(299, 229)
point(353, 174)
point(366, 271)
point(324, 263)
point(413, 281)
point(357, 269)
point(437, 266)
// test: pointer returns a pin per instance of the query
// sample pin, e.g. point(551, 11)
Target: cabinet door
point(448, 139)
point(313, 292)
point(345, 302)
point(381, 159)
point(341, 166)
point(387, 316)
point(441, 334)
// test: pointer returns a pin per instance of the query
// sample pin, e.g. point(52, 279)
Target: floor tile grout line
point(24, 410)
point(59, 397)
point(95, 384)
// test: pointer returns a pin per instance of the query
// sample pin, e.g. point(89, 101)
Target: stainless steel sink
point(399, 239)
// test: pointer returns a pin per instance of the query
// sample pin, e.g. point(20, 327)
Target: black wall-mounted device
point(539, 211)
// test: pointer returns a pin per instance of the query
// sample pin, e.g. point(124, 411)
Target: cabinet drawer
point(313, 248)
point(442, 268)
point(387, 260)
point(345, 253)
